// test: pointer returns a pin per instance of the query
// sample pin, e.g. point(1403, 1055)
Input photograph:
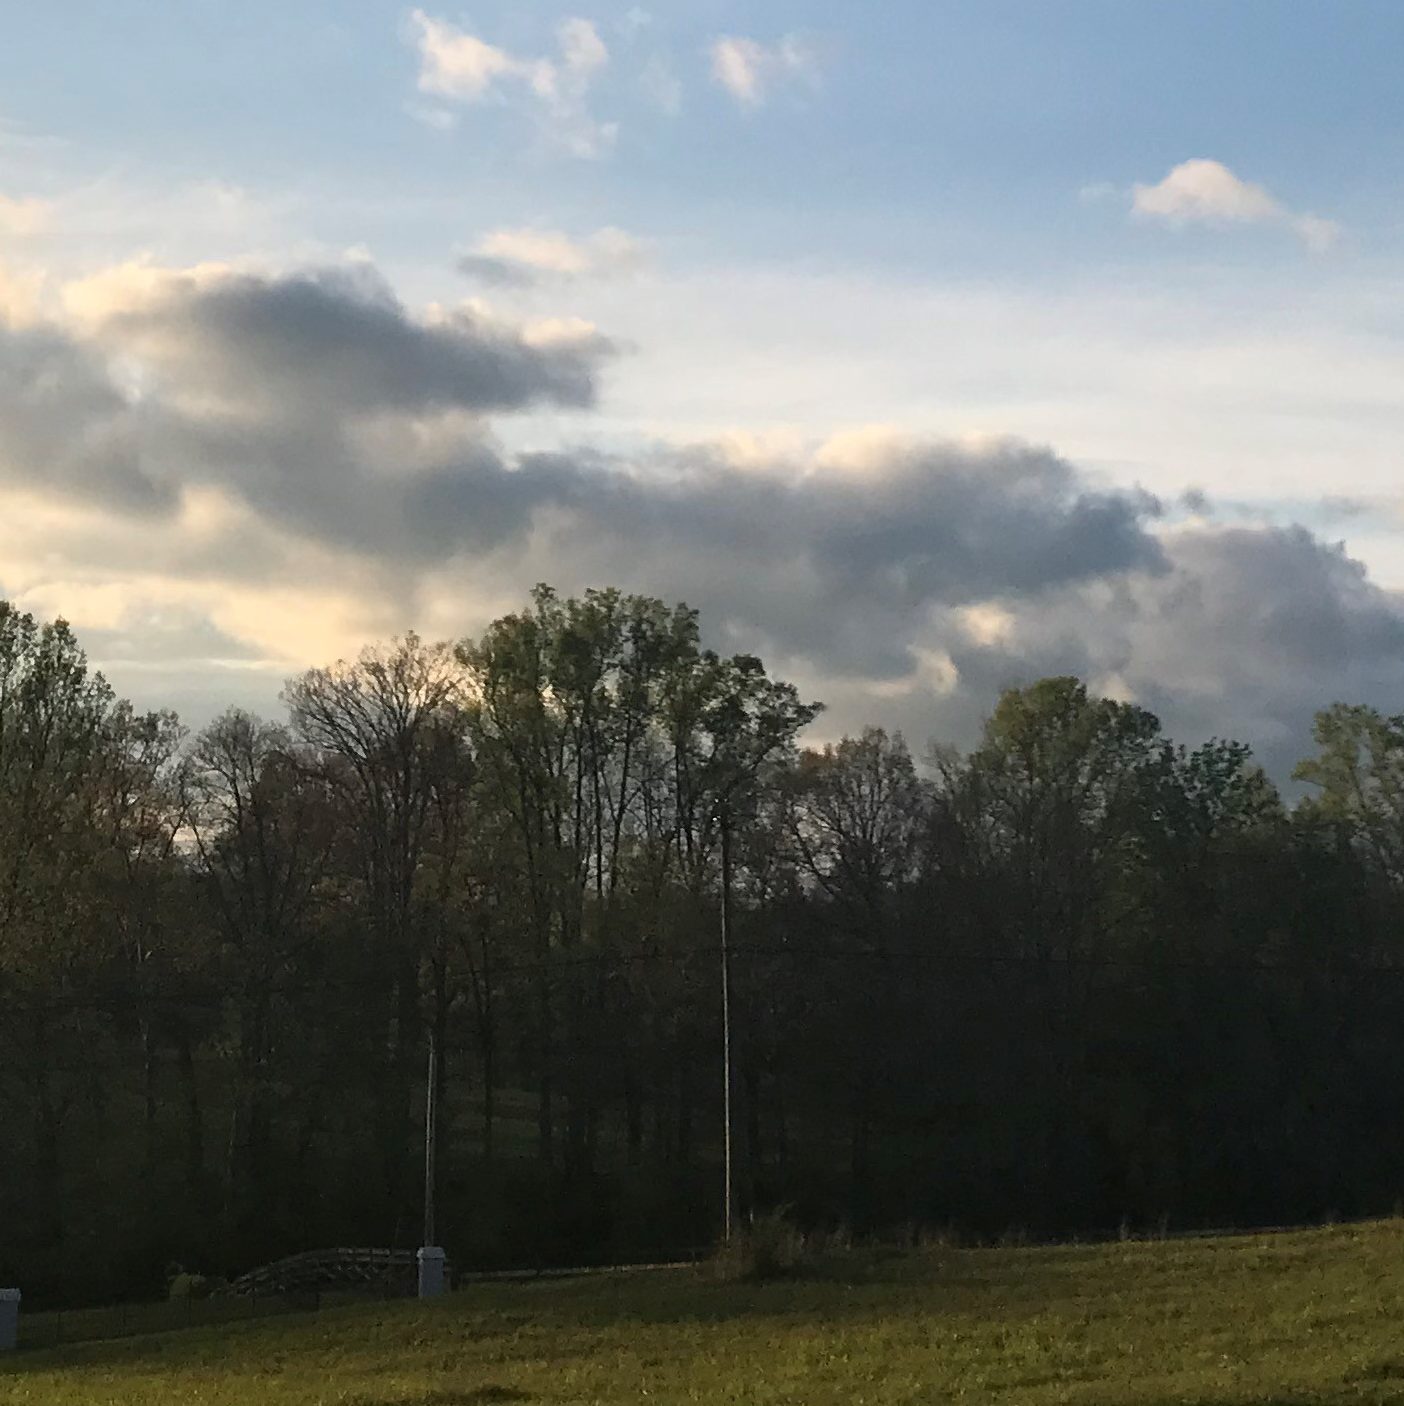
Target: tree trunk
point(150, 1155)
point(755, 1150)
point(684, 1132)
point(782, 1125)
point(633, 1116)
point(48, 1162)
point(194, 1122)
point(545, 1053)
point(860, 1151)
point(489, 1049)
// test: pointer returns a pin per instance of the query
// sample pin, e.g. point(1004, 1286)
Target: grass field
point(1309, 1317)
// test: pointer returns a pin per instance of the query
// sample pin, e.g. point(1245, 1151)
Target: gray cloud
point(66, 428)
point(1257, 629)
point(1246, 634)
point(158, 639)
point(341, 423)
point(498, 273)
point(841, 565)
point(338, 340)
point(858, 586)
point(272, 388)
point(316, 401)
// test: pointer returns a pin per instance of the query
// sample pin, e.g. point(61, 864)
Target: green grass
point(77, 1325)
point(1311, 1317)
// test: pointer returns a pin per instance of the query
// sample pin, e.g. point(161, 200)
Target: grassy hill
point(1309, 1317)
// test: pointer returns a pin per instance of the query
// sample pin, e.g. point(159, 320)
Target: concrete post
point(431, 1272)
point(9, 1319)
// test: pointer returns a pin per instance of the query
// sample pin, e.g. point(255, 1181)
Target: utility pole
point(430, 1118)
point(431, 1256)
point(728, 1217)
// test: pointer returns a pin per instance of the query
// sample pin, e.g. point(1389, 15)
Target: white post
point(431, 1271)
point(728, 1193)
point(431, 1137)
point(431, 1256)
point(9, 1319)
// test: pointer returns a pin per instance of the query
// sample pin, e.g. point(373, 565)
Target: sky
point(927, 348)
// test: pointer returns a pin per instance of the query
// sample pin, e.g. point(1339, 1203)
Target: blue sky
point(941, 135)
point(1159, 242)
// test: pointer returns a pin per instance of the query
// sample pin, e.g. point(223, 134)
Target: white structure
point(431, 1272)
point(9, 1319)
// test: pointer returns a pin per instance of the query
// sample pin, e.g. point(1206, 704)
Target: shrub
point(939, 1237)
point(771, 1246)
point(185, 1286)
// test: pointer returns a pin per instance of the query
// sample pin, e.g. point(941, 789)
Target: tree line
point(1077, 976)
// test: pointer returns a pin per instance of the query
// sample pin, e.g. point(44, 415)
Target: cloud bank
point(260, 469)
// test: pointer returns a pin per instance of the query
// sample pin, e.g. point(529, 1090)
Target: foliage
point(768, 1246)
point(193, 1286)
point(1083, 976)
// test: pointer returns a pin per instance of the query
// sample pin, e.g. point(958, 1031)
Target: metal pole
point(728, 1214)
point(430, 1117)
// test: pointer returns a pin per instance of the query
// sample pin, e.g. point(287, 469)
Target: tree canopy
point(1081, 974)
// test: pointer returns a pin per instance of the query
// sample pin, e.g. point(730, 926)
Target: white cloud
point(736, 65)
point(582, 49)
point(21, 293)
point(132, 287)
point(461, 67)
point(1207, 192)
point(458, 65)
point(24, 217)
point(989, 624)
point(746, 68)
point(530, 255)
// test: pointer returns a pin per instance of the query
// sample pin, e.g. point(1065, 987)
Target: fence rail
point(300, 1283)
point(317, 1270)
